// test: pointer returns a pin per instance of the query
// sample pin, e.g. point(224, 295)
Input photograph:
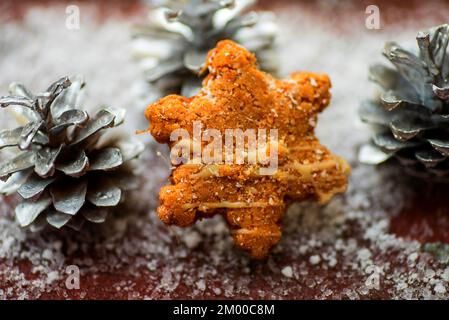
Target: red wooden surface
point(128, 266)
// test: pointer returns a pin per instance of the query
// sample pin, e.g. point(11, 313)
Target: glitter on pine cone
point(411, 115)
point(172, 47)
point(61, 156)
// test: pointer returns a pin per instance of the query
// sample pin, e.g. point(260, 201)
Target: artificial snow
point(287, 271)
point(348, 240)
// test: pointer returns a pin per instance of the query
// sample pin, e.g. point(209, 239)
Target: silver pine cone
point(173, 46)
point(64, 168)
point(411, 116)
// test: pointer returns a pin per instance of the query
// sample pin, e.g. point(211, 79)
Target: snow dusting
point(340, 251)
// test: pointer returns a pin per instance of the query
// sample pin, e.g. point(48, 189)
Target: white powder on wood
point(352, 230)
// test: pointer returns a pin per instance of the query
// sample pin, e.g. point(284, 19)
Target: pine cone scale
point(95, 216)
point(45, 161)
point(441, 145)
point(16, 101)
point(75, 166)
point(441, 92)
point(28, 211)
point(18, 163)
point(15, 180)
point(409, 126)
point(429, 158)
point(194, 60)
point(163, 69)
point(10, 138)
point(28, 133)
point(34, 186)
point(104, 194)
point(103, 119)
point(57, 219)
point(106, 159)
point(186, 30)
point(69, 195)
point(69, 118)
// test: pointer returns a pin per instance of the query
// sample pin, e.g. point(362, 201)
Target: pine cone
point(412, 112)
point(65, 169)
point(175, 43)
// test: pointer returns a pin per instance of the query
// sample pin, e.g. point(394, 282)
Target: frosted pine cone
point(175, 43)
point(412, 113)
point(63, 169)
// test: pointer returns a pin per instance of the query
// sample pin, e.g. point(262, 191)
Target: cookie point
point(228, 54)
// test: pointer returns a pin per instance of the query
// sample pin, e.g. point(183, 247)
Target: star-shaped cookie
point(236, 96)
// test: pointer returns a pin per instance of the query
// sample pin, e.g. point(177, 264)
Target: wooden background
point(141, 258)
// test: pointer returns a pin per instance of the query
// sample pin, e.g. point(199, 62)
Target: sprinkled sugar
point(345, 243)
